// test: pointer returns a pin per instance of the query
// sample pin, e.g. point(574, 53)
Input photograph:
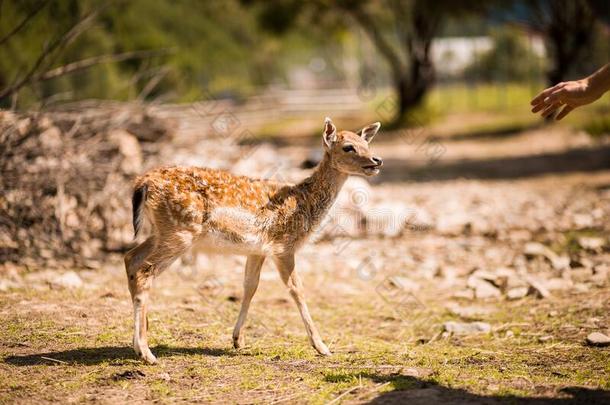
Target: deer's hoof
point(239, 342)
point(148, 357)
point(323, 350)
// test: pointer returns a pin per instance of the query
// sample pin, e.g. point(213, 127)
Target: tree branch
point(96, 60)
point(59, 42)
point(23, 22)
point(384, 47)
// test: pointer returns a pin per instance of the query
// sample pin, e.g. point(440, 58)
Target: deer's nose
point(378, 161)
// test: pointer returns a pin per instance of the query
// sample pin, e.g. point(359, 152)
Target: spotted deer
point(230, 214)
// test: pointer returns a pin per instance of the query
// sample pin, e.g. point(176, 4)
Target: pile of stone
point(66, 182)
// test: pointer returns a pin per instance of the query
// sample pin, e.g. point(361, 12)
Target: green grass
point(493, 98)
point(377, 351)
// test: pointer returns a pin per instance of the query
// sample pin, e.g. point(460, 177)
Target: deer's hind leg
point(143, 263)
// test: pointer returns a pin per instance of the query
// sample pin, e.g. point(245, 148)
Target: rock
point(469, 312)
point(67, 280)
point(561, 262)
point(23, 126)
point(129, 147)
point(469, 328)
point(537, 289)
point(600, 273)
point(581, 274)
point(486, 290)
point(558, 283)
point(417, 372)
point(404, 283)
point(591, 243)
point(581, 288)
point(583, 221)
point(430, 269)
point(598, 339)
point(533, 249)
point(519, 235)
point(50, 138)
point(466, 294)
point(483, 289)
point(546, 338)
point(6, 285)
point(387, 218)
point(485, 275)
point(517, 293)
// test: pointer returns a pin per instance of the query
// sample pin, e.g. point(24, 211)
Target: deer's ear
point(330, 132)
point(367, 133)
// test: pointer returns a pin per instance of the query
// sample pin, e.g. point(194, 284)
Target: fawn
point(229, 214)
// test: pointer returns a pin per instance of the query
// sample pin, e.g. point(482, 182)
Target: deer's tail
point(137, 203)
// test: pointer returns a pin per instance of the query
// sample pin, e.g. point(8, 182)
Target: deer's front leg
point(290, 277)
point(251, 278)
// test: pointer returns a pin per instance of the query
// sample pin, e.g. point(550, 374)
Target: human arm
point(572, 94)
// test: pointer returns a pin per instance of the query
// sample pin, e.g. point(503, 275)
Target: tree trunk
point(412, 85)
point(568, 33)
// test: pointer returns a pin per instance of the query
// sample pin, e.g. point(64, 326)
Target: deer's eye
point(349, 148)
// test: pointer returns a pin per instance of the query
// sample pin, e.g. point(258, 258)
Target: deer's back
point(190, 194)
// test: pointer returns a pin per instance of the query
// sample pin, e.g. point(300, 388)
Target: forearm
point(599, 82)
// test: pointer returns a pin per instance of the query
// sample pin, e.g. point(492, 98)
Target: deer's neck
point(321, 189)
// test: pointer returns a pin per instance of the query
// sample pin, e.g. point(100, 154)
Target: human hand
point(568, 94)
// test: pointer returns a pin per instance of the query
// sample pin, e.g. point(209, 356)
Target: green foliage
point(206, 48)
point(510, 60)
point(598, 126)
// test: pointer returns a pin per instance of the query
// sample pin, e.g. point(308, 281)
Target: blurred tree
point(510, 59)
point(179, 49)
point(401, 31)
point(569, 28)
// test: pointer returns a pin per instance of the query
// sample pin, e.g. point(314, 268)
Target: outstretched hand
point(568, 95)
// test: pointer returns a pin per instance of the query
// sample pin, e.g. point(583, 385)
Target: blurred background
point(483, 211)
point(96, 92)
point(344, 57)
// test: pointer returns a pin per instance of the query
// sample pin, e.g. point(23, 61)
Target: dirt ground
point(511, 232)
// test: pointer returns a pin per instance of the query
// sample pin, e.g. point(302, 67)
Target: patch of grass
point(340, 376)
point(493, 97)
point(160, 389)
point(375, 351)
point(598, 127)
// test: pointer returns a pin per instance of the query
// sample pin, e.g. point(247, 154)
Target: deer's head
point(349, 152)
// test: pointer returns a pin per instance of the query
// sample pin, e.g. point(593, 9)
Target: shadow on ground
point(413, 391)
point(576, 160)
point(97, 355)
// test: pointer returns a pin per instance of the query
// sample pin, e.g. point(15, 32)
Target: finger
point(544, 103)
point(550, 109)
point(566, 110)
point(539, 107)
point(545, 93)
point(555, 96)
